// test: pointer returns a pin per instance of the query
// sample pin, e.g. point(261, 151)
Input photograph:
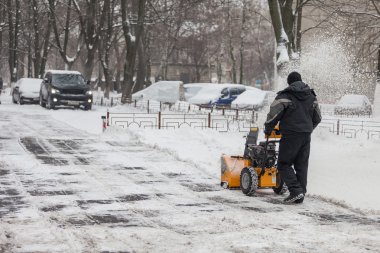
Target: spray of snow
point(330, 69)
point(283, 57)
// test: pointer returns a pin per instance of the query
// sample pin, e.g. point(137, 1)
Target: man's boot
point(293, 197)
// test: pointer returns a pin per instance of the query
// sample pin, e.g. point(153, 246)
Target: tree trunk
point(282, 56)
point(91, 34)
point(288, 23)
point(132, 45)
point(278, 27)
point(63, 51)
point(141, 71)
point(242, 36)
point(119, 66)
point(378, 64)
point(299, 26)
point(46, 48)
point(148, 71)
point(36, 28)
point(12, 46)
point(2, 22)
point(233, 72)
point(105, 34)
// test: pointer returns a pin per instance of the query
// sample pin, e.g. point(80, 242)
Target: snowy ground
point(66, 187)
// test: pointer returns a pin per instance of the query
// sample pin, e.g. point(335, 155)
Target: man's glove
point(267, 132)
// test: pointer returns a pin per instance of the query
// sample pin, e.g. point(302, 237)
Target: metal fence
point(352, 128)
point(232, 122)
point(221, 123)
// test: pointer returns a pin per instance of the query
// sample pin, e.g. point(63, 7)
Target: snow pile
point(348, 173)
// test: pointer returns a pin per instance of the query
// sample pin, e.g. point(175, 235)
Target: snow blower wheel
point(248, 181)
point(280, 187)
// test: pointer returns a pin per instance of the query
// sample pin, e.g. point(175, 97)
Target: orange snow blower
point(257, 168)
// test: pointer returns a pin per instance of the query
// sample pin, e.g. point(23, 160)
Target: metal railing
point(221, 123)
point(352, 128)
point(349, 128)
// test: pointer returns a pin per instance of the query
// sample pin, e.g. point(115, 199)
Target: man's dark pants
point(294, 151)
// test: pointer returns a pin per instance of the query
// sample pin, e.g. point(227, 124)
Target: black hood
point(299, 89)
point(69, 86)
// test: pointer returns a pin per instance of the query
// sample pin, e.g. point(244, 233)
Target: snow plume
point(329, 67)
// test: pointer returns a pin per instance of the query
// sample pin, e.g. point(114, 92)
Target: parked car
point(163, 91)
point(220, 95)
point(26, 90)
point(192, 89)
point(353, 105)
point(252, 98)
point(68, 88)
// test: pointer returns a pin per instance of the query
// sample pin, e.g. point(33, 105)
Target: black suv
point(67, 88)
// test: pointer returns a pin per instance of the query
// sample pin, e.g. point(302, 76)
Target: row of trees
point(119, 41)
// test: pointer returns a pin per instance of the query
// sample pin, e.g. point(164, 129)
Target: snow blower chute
point(257, 168)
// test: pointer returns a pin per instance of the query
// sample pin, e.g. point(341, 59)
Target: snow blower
point(257, 168)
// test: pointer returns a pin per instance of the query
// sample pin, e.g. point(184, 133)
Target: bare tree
point(63, 48)
point(13, 30)
point(132, 44)
point(106, 35)
point(41, 37)
point(90, 31)
point(2, 26)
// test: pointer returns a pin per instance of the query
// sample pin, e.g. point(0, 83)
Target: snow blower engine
point(257, 168)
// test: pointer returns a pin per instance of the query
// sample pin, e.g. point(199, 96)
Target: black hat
point(294, 77)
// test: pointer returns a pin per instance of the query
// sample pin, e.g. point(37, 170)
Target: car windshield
point(68, 79)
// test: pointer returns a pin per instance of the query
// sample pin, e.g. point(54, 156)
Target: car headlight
point(54, 91)
point(88, 92)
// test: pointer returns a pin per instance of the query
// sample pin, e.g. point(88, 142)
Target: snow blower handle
point(265, 156)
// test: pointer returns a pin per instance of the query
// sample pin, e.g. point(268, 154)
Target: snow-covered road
point(66, 190)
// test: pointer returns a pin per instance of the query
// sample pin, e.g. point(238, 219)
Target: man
point(297, 110)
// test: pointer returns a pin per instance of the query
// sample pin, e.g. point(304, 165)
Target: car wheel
point(49, 104)
point(88, 107)
point(13, 99)
point(42, 101)
point(21, 101)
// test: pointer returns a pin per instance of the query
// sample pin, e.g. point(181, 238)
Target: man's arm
point(317, 117)
point(276, 112)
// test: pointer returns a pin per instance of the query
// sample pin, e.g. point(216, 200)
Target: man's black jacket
point(296, 108)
